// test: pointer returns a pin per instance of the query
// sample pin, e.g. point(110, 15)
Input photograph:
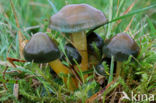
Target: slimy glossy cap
point(121, 47)
point(41, 49)
point(72, 54)
point(76, 18)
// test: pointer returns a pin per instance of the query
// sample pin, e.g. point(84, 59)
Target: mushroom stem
point(80, 42)
point(118, 68)
point(111, 70)
point(58, 67)
point(92, 61)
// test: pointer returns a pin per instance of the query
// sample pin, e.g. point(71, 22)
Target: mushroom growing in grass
point(74, 20)
point(71, 55)
point(120, 47)
point(41, 49)
point(94, 43)
point(102, 68)
point(94, 46)
point(73, 58)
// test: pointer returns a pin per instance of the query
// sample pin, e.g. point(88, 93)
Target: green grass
point(51, 89)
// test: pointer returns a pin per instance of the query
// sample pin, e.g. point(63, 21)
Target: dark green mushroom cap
point(100, 69)
point(121, 47)
point(77, 18)
point(92, 39)
point(41, 49)
point(72, 54)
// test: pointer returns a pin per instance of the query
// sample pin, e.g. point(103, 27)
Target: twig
point(11, 60)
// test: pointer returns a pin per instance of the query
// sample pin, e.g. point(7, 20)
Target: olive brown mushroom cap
point(72, 54)
point(121, 47)
point(94, 38)
point(76, 18)
point(100, 69)
point(41, 49)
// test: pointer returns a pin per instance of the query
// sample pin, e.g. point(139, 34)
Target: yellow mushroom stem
point(58, 67)
point(92, 61)
point(118, 68)
point(80, 42)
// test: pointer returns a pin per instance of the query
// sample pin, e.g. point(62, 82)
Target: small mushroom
point(120, 47)
point(94, 41)
point(74, 20)
point(94, 45)
point(102, 68)
point(73, 57)
point(41, 49)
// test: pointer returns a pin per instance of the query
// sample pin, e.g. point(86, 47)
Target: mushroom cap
point(94, 38)
point(121, 47)
point(41, 49)
point(72, 54)
point(76, 18)
point(100, 70)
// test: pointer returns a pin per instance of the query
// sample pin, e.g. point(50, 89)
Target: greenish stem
point(118, 68)
point(111, 70)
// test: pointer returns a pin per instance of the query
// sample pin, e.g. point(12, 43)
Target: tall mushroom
point(41, 49)
point(74, 20)
point(120, 47)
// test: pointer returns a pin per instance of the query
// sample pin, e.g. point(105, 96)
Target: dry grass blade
point(31, 28)
point(38, 4)
point(11, 64)
point(5, 63)
point(11, 60)
point(16, 90)
point(118, 7)
point(127, 10)
point(128, 26)
point(20, 36)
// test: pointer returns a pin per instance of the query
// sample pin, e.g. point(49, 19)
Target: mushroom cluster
point(74, 20)
point(84, 50)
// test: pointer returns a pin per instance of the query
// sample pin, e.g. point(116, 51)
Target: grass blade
point(53, 6)
point(110, 18)
point(132, 13)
